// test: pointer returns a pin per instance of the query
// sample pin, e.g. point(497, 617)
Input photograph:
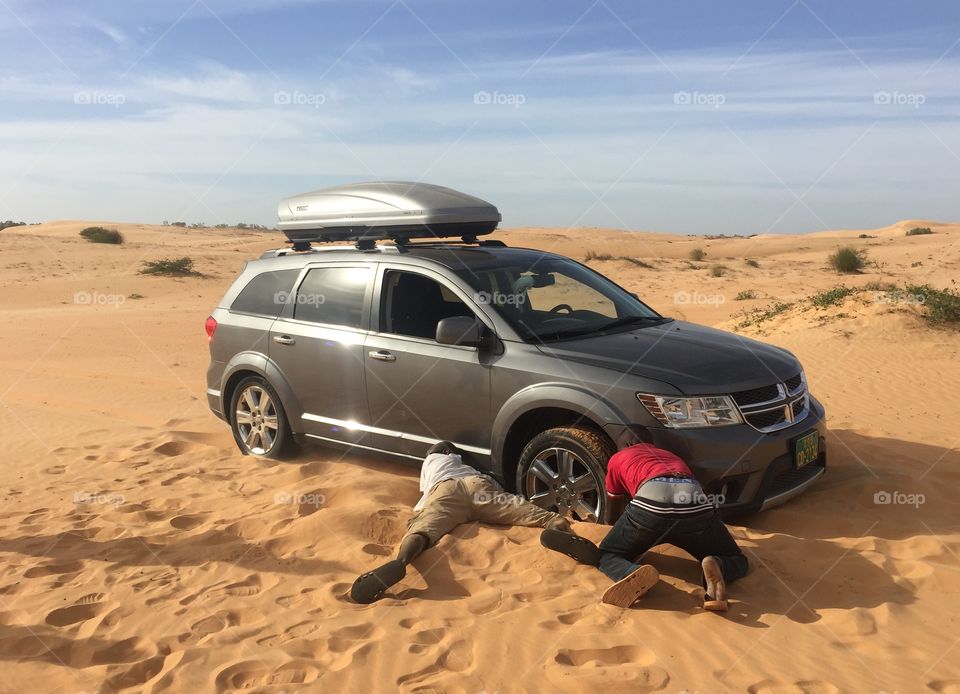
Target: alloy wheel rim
point(256, 418)
point(559, 480)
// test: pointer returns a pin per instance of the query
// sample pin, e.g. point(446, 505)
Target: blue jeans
point(701, 535)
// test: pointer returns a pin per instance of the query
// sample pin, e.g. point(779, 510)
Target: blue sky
point(696, 117)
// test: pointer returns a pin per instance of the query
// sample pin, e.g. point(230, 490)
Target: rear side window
point(266, 293)
point(333, 295)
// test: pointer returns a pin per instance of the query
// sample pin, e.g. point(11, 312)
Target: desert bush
point(831, 297)
point(170, 267)
point(745, 295)
point(10, 223)
point(751, 262)
point(940, 305)
point(919, 231)
point(759, 315)
point(848, 259)
point(698, 254)
point(718, 270)
point(101, 235)
point(593, 255)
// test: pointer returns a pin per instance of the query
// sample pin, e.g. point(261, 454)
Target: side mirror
point(460, 330)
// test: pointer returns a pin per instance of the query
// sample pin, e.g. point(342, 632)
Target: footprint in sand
point(945, 686)
point(55, 470)
point(346, 637)
point(297, 631)
point(174, 448)
point(186, 522)
point(53, 569)
point(422, 640)
point(600, 666)
point(87, 607)
point(564, 619)
point(250, 674)
point(805, 686)
point(251, 585)
point(383, 527)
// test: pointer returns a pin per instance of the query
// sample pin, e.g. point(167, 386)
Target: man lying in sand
point(667, 506)
point(455, 493)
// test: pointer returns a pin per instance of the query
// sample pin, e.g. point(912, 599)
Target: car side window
point(266, 293)
point(332, 295)
point(412, 304)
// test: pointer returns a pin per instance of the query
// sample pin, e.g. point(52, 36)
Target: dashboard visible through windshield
point(552, 298)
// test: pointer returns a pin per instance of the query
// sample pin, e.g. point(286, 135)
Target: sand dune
point(141, 552)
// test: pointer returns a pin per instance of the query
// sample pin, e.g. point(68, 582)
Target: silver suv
point(532, 363)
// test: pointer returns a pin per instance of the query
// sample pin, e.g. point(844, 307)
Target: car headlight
point(688, 413)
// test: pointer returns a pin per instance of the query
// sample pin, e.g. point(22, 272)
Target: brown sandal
point(628, 590)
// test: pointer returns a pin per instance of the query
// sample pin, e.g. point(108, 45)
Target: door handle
point(382, 355)
point(283, 339)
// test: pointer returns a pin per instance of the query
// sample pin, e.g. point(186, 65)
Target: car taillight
point(211, 327)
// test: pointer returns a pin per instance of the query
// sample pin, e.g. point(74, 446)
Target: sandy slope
point(141, 551)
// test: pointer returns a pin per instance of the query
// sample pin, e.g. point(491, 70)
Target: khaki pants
point(453, 502)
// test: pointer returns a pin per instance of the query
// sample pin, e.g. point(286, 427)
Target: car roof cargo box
point(397, 210)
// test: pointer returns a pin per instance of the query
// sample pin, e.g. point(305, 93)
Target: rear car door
point(420, 391)
point(317, 343)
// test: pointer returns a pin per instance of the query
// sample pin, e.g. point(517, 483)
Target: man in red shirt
point(666, 506)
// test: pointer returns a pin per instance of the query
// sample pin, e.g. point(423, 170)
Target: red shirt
point(633, 466)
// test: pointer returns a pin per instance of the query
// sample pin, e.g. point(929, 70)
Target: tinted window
point(333, 295)
point(266, 293)
point(413, 304)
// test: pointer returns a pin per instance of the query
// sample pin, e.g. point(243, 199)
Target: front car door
point(420, 391)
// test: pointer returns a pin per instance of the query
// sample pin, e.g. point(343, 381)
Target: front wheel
point(564, 470)
point(258, 421)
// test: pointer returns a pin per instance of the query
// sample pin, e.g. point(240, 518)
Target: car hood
point(695, 359)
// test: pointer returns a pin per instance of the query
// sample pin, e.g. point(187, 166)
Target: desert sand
point(141, 552)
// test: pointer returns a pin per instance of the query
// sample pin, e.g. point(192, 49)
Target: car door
point(317, 343)
point(420, 391)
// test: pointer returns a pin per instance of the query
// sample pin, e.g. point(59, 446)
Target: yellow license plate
point(806, 449)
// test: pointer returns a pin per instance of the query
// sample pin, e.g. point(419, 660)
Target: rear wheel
point(563, 470)
point(258, 421)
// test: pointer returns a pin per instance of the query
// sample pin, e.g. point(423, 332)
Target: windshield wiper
point(628, 320)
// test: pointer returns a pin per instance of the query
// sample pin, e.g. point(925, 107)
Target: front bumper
point(750, 469)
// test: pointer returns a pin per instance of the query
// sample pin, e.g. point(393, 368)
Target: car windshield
point(549, 298)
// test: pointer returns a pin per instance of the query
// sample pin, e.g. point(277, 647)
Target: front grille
point(793, 383)
point(776, 406)
point(791, 479)
point(756, 395)
point(763, 420)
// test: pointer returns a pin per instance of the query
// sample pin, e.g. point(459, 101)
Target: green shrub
point(751, 262)
point(919, 231)
point(831, 297)
point(698, 254)
point(940, 305)
point(759, 315)
point(848, 259)
point(718, 270)
point(173, 267)
point(745, 295)
point(101, 235)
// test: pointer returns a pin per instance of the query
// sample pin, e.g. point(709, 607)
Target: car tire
point(258, 420)
point(564, 469)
